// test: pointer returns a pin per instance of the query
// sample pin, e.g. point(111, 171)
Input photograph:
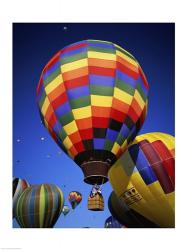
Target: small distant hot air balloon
point(65, 210)
point(39, 206)
point(127, 216)
point(19, 185)
point(74, 198)
point(92, 98)
point(144, 178)
point(111, 222)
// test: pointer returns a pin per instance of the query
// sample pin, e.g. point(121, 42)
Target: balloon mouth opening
point(96, 179)
point(95, 172)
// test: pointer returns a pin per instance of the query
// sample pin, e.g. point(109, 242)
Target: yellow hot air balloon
point(144, 177)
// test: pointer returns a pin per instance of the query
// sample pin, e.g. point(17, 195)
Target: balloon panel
point(144, 177)
point(39, 206)
point(92, 96)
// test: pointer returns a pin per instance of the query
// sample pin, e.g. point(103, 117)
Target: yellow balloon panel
point(144, 178)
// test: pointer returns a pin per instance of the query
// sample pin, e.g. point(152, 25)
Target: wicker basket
point(96, 203)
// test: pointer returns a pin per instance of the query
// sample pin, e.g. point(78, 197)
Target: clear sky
point(36, 157)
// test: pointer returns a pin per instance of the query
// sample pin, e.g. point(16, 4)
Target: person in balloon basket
point(95, 190)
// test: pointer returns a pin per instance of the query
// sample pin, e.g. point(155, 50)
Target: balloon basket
point(96, 203)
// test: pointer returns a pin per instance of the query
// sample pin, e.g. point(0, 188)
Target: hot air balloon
point(92, 98)
point(74, 198)
point(19, 185)
point(127, 216)
point(39, 206)
point(144, 178)
point(111, 222)
point(65, 210)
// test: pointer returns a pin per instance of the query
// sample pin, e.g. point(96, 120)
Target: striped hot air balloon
point(39, 206)
point(92, 98)
point(19, 185)
point(144, 178)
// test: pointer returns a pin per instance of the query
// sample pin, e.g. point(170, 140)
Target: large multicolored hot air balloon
point(19, 185)
point(111, 222)
point(144, 177)
point(127, 216)
point(74, 198)
point(39, 206)
point(92, 97)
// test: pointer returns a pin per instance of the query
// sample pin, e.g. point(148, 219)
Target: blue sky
point(41, 161)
